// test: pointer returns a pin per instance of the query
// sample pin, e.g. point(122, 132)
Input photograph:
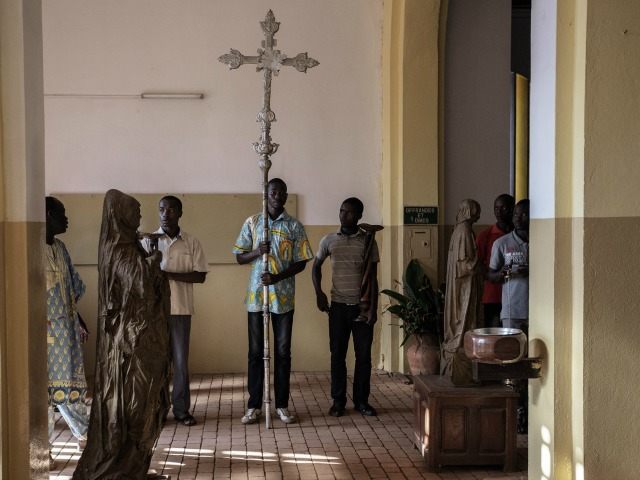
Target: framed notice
point(420, 215)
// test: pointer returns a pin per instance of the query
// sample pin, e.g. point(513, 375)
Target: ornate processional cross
point(269, 61)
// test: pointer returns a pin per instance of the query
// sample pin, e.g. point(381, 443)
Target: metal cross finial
point(269, 61)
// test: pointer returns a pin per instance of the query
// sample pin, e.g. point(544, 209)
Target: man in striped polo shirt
point(348, 249)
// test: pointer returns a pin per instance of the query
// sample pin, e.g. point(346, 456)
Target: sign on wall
point(420, 215)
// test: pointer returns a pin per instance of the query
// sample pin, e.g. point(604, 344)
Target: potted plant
point(420, 309)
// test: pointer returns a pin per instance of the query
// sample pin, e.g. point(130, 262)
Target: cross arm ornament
point(268, 57)
point(269, 61)
point(300, 62)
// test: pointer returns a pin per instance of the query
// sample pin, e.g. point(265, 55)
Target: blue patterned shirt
point(65, 360)
point(289, 245)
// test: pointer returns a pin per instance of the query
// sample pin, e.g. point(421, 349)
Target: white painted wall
point(542, 109)
point(477, 99)
point(329, 120)
point(329, 128)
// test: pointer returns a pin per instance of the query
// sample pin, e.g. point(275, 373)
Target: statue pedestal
point(464, 425)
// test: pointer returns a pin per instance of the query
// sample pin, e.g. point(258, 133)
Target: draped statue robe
point(463, 295)
point(131, 394)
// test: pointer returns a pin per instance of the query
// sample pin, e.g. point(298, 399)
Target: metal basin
point(495, 345)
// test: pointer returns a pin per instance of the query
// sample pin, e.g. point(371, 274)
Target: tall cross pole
point(269, 61)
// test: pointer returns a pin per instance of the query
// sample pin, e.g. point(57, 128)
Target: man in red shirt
point(492, 294)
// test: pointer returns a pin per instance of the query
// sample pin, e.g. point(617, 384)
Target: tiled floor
point(317, 447)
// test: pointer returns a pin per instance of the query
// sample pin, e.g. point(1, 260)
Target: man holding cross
point(290, 255)
point(289, 251)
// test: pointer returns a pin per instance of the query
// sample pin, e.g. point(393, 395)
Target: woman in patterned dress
point(65, 329)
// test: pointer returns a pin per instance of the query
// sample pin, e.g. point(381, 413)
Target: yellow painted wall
point(556, 285)
point(391, 178)
point(612, 211)
point(542, 337)
point(420, 102)
point(584, 282)
point(612, 101)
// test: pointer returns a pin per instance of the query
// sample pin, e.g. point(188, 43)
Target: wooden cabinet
point(464, 425)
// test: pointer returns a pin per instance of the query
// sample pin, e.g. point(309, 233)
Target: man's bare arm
point(316, 277)
point(293, 269)
point(248, 257)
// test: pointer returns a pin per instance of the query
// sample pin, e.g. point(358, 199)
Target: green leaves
point(395, 309)
point(419, 307)
point(415, 280)
point(398, 297)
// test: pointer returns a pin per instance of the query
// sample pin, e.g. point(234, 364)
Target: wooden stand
point(490, 372)
point(464, 425)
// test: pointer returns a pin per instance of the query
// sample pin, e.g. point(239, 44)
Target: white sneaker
point(284, 415)
point(251, 416)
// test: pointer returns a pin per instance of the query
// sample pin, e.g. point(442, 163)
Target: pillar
point(23, 348)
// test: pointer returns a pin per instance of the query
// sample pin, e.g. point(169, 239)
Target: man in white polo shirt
point(184, 261)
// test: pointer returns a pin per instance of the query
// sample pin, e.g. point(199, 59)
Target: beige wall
point(219, 338)
point(611, 330)
point(219, 326)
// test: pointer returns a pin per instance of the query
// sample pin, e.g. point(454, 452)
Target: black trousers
point(492, 315)
point(180, 328)
point(341, 325)
point(282, 325)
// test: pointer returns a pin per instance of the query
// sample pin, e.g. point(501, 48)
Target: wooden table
point(464, 425)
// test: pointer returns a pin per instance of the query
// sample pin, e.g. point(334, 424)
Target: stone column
point(23, 347)
point(585, 221)
point(412, 55)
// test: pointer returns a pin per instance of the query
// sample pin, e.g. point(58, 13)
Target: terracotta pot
point(495, 345)
point(423, 354)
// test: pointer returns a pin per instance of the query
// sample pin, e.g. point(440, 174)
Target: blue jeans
point(282, 324)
